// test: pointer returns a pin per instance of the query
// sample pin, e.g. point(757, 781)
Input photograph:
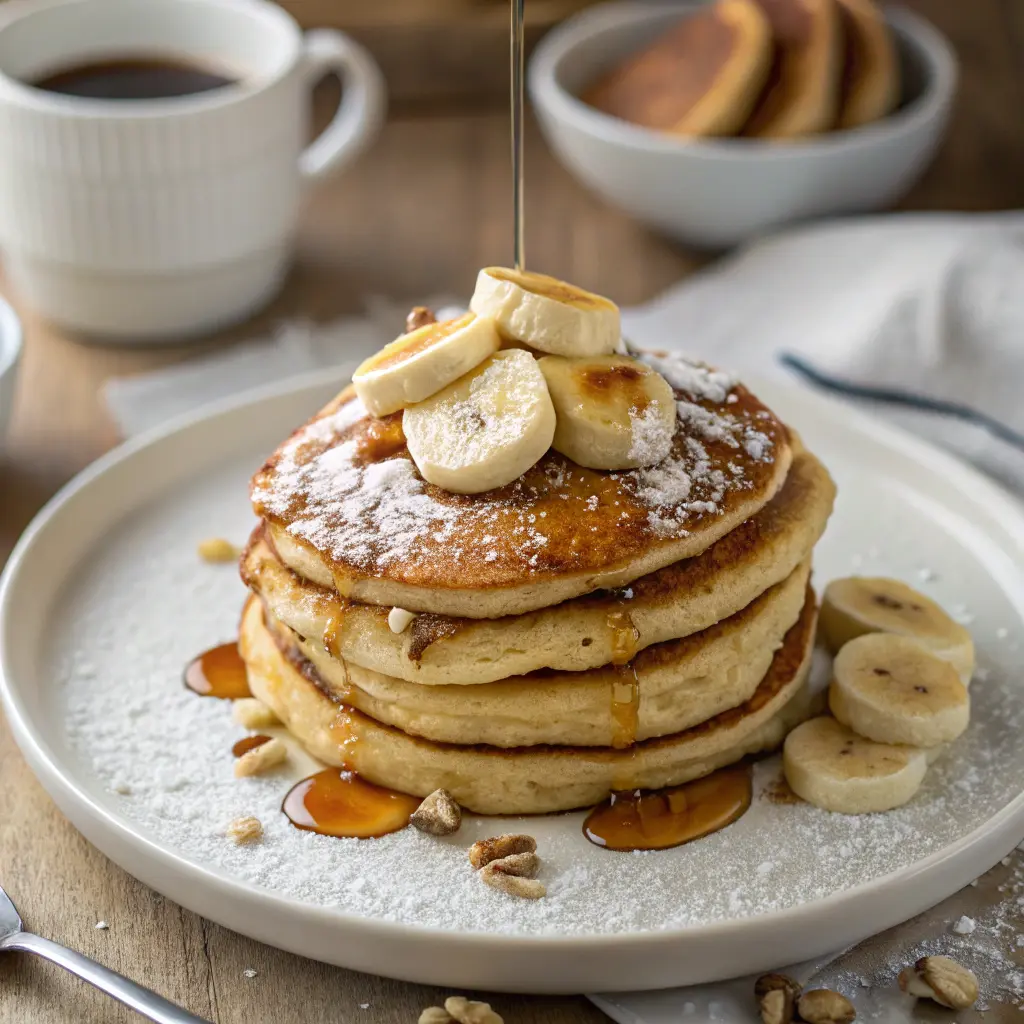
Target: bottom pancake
point(532, 780)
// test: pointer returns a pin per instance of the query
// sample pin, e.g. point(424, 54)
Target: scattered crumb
point(364, 1006)
point(216, 549)
point(964, 926)
point(249, 972)
point(101, 926)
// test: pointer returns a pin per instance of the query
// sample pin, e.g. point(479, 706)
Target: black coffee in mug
point(140, 78)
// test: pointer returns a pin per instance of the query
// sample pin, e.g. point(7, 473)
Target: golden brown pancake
point(701, 77)
point(666, 688)
point(530, 780)
point(802, 91)
point(346, 508)
point(580, 634)
point(871, 76)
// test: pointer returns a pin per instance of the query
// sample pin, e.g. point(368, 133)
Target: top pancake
point(346, 508)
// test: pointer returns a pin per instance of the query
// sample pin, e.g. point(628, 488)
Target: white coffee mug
point(156, 219)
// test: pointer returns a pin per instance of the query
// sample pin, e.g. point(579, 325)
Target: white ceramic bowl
point(717, 192)
point(10, 357)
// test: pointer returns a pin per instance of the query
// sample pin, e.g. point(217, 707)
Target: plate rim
point(47, 765)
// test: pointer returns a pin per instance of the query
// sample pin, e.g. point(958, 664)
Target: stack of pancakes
point(535, 647)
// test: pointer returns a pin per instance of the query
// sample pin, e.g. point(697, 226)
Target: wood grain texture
point(418, 215)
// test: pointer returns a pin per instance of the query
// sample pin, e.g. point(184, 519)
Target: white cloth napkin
point(929, 303)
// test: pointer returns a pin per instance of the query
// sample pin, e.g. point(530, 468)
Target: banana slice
point(547, 314)
point(420, 363)
point(835, 769)
point(613, 412)
point(890, 689)
point(486, 429)
point(859, 604)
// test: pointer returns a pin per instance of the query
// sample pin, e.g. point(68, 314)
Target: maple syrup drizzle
point(247, 743)
point(661, 819)
point(625, 692)
point(219, 672)
point(335, 802)
point(518, 229)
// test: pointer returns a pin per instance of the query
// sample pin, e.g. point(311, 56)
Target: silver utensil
point(14, 937)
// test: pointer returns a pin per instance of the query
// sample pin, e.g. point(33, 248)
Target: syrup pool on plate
point(335, 802)
point(219, 672)
point(664, 818)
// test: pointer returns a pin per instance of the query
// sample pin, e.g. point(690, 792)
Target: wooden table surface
point(418, 215)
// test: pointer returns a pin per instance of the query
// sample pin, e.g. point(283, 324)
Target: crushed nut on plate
point(485, 850)
point(512, 875)
point(770, 982)
point(245, 830)
point(941, 979)
point(823, 1006)
point(438, 815)
point(253, 714)
point(777, 1006)
point(261, 759)
point(216, 549)
point(435, 1015)
point(468, 1011)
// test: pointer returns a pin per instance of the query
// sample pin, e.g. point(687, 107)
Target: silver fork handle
point(140, 999)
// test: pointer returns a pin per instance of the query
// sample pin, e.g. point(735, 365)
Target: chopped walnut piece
point(438, 815)
point(435, 1015)
point(261, 759)
point(485, 850)
point(419, 316)
point(525, 865)
point(254, 714)
point(216, 549)
point(497, 875)
point(770, 982)
point(777, 1007)
point(823, 1006)
point(468, 1011)
point(245, 830)
point(941, 979)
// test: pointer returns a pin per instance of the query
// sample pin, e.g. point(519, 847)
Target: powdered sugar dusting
point(696, 379)
point(159, 757)
point(651, 441)
point(379, 516)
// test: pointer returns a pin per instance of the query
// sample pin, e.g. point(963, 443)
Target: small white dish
point(718, 192)
point(10, 359)
point(143, 768)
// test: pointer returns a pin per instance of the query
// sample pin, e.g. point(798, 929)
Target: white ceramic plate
point(104, 600)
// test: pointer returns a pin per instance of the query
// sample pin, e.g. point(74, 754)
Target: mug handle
point(363, 101)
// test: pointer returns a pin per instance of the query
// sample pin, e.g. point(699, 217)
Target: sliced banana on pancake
point(890, 689)
point(861, 604)
point(612, 412)
point(832, 767)
point(484, 430)
point(547, 314)
point(419, 364)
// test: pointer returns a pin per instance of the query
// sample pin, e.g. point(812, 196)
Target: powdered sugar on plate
point(159, 756)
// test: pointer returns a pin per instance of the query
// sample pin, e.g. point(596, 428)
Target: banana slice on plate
point(547, 314)
point(832, 767)
point(422, 362)
point(486, 429)
point(890, 689)
point(859, 604)
point(613, 412)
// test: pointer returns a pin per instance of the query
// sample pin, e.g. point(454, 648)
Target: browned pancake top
point(345, 485)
